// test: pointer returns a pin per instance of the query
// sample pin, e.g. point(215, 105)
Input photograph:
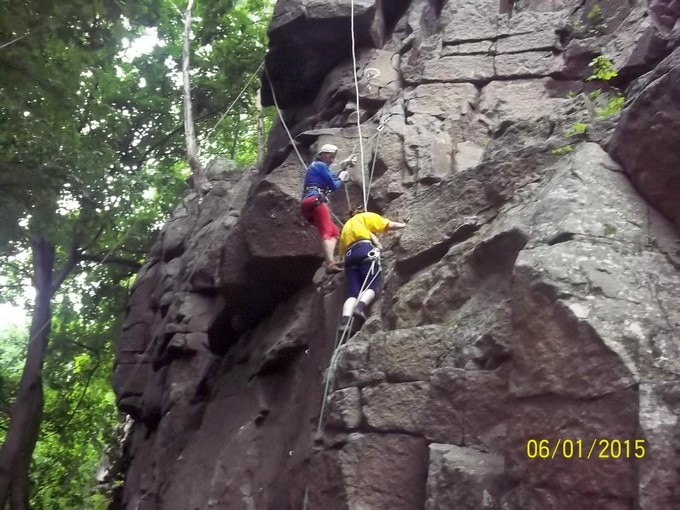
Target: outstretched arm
point(395, 225)
point(334, 180)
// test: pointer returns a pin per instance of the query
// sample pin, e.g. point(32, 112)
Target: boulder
point(308, 38)
point(587, 472)
point(285, 333)
point(441, 100)
point(531, 497)
point(517, 100)
point(468, 407)
point(665, 12)
point(396, 407)
point(368, 472)
point(291, 253)
point(480, 20)
point(460, 68)
point(637, 45)
point(543, 5)
point(658, 469)
point(404, 355)
point(130, 376)
point(344, 409)
point(464, 478)
point(378, 78)
point(644, 139)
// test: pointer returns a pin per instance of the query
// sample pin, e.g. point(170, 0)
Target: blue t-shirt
point(320, 175)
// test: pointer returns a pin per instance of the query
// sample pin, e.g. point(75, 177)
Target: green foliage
point(233, 44)
point(12, 351)
point(592, 24)
point(561, 151)
point(612, 107)
point(593, 95)
point(78, 424)
point(595, 16)
point(92, 156)
point(80, 414)
point(603, 69)
point(577, 128)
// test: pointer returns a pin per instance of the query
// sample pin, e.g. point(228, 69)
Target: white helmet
point(332, 149)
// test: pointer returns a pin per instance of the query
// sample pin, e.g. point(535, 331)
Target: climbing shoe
point(333, 268)
point(361, 311)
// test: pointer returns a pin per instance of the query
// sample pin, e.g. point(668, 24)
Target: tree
point(229, 51)
point(90, 161)
point(192, 151)
point(63, 182)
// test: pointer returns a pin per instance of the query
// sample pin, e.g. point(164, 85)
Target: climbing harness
point(318, 189)
point(374, 255)
point(340, 340)
point(376, 136)
point(292, 140)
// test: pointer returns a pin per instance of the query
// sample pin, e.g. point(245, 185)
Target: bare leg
point(329, 250)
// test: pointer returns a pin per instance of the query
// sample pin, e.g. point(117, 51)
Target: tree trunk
point(260, 129)
point(234, 141)
point(26, 412)
point(192, 151)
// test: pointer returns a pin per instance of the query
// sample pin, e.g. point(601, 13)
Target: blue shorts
point(358, 269)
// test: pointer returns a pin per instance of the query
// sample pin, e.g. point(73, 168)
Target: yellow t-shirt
point(359, 227)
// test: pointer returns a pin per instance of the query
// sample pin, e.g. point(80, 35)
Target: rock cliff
point(533, 295)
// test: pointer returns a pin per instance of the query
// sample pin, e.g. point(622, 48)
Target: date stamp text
point(597, 448)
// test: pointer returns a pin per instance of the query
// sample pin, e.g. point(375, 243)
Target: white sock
point(367, 297)
point(348, 307)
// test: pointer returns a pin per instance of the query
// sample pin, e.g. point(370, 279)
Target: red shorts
point(320, 215)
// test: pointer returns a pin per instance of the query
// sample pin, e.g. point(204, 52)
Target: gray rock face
point(463, 478)
point(368, 472)
point(308, 38)
point(531, 301)
point(644, 140)
point(396, 407)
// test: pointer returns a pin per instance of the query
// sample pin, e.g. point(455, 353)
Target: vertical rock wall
point(532, 296)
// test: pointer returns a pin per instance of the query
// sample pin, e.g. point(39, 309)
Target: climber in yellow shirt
point(359, 248)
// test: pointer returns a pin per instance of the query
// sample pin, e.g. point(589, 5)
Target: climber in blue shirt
point(320, 181)
point(320, 177)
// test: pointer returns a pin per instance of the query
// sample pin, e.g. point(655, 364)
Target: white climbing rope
point(375, 158)
point(339, 342)
point(356, 87)
point(283, 121)
point(207, 137)
point(342, 339)
point(292, 141)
